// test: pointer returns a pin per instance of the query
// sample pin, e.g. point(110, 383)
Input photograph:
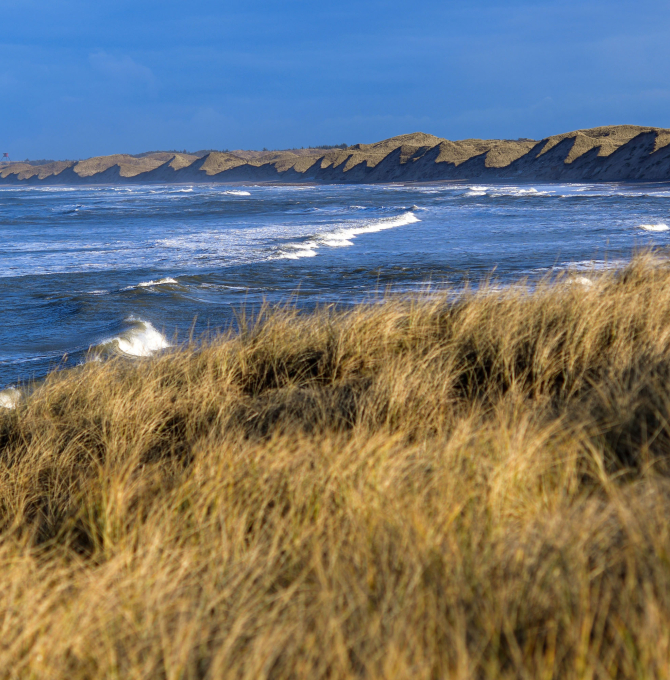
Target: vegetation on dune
point(419, 489)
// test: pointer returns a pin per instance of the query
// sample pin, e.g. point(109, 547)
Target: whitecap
point(655, 227)
point(343, 236)
point(141, 340)
point(53, 189)
point(588, 265)
point(582, 281)
point(233, 192)
point(149, 284)
point(518, 191)
point(9, 398)
point(477, 191)
point(297, 250)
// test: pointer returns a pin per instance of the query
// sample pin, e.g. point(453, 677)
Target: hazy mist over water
point(132, 269)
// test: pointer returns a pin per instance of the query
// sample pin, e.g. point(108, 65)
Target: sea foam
point(343, 236)
point(655, 227)
point(142, 340)
point(150, 284)
point(9, 398)
point(502, 191)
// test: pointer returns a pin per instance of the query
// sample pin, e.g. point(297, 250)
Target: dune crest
point(610, 153)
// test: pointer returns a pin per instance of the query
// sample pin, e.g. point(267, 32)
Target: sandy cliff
point(614, 153)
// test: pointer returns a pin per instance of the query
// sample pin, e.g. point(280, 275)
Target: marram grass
point(419, 489)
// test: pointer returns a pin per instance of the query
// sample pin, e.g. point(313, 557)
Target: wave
point(142, 340)
point(582, 281)
point(307, 249)
point(500, 191)
point(589, 266)
point(149, 284)
point(9, 398)
point(68, 209)
point(599, 191)
point(343, 236)
point(518, 191)
point(233, 192)
point(52, 189)
point(655, 227)
point(430, 188)
point(166, 191)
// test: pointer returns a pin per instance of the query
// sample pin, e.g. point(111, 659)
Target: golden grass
point(418, 489)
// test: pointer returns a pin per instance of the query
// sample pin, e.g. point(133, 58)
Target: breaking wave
point(149, 284)
point(343, 236)
point(141, 340)
point(655, 227)
point(500, 191)
point(9, 398)
point(581, 280)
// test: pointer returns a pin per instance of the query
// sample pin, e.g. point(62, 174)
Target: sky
point(80, 78)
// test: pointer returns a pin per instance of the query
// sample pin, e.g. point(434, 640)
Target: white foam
point(299, 250)
point(585, 266)
point(477, 191)
point(500, 191)
point(518, 191)
point(655, 227)
point(149, 284)
point(343, 236)
point(582, 281)
point(52, 189)
point(9, 398)
point(237, 193)
point(141, 340)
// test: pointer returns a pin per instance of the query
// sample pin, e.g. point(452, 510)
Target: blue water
point(134, 269)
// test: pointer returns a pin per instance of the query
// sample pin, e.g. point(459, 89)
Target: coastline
point(609, 154)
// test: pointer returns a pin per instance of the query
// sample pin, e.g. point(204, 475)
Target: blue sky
point(88, 77)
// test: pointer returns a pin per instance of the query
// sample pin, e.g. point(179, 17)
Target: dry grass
point(409, 490)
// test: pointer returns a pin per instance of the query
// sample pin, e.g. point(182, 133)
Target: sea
point(93, 271)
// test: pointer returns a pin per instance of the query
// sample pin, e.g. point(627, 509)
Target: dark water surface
point(128, 267)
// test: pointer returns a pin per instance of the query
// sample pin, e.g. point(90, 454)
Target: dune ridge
point(610, 153)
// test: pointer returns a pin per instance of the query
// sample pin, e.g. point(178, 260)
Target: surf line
point(343, 236)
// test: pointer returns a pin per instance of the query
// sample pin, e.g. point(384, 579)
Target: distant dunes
point(613, 153)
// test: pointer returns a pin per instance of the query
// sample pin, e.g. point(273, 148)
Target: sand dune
point(614, 153)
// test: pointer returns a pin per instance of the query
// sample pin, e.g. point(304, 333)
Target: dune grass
point(423, 488)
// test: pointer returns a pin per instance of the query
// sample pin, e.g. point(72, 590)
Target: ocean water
point(136, 269)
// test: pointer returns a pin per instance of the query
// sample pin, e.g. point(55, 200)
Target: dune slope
point(415, 490)
point(614, 153)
